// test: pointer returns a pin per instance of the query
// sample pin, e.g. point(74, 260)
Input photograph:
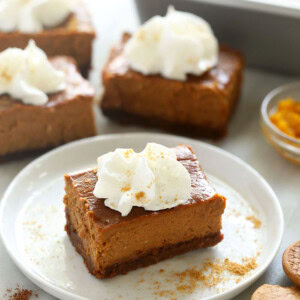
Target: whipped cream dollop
point(27, 75)
point(32, 16)
point(152, 179)
point(175, 45)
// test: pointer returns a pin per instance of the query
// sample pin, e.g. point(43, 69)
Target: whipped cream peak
point(31, 16)
point(152, 179)
point(27, 75)
point(178, 44)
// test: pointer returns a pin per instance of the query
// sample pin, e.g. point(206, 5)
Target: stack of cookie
point(291, 267)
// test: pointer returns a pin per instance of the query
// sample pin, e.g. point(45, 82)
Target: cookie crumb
point(213, 273)
point(241, 269)
point(256, 222)
point(166, 293)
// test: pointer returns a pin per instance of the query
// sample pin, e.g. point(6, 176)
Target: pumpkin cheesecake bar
point(201, 106)
point(112, 243)
point(173, 74)
point(67, 115)
point(73, 36)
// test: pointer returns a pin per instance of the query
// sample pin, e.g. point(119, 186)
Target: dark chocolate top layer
point(84, 183)
point(76, 86)
point(219, 76)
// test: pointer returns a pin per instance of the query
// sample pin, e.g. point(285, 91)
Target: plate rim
point(60, 292)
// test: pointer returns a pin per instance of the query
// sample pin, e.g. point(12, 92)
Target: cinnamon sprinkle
point(139, 195)
point(127, 153)
point(5, 74)
point(20, 294)
point(125, 188)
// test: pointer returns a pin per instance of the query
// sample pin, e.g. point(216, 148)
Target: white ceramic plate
point(32, 225)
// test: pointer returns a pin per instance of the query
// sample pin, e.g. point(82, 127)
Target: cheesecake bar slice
point(200, 106)
point(111, 244)
point(73, 38)
point(67, 116)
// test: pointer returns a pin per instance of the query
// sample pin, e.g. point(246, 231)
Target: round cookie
point(291, 262)
point(276, 292)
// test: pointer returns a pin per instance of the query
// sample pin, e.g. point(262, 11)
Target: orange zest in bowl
point(287, 117)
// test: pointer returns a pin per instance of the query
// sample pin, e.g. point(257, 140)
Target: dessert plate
point(32, 228)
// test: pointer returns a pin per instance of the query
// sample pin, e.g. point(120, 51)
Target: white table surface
point(245, 140)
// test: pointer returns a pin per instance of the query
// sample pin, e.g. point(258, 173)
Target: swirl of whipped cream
point(175, 45)
point(27, 75)
point(152, 179)
point(31, 16)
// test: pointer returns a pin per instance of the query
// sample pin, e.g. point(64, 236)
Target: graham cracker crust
point(153, 257)
point(31, 154)
point(85, 70)
point(126, 118)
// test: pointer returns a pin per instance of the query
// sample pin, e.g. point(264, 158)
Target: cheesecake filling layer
point(117, 244)
point(141, 260)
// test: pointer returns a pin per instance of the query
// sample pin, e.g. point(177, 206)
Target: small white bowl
point(287, 146)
